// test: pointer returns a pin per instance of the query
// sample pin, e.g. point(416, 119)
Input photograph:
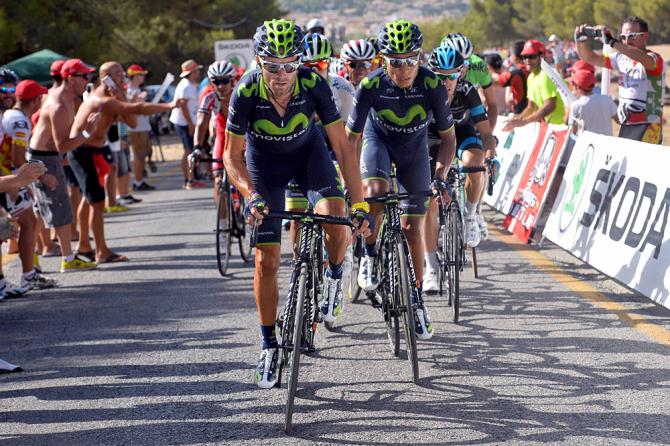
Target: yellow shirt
point(540, 89)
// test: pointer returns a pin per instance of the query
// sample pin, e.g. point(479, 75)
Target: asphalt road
point(160, 351)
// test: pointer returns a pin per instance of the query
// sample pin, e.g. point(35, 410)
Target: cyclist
point(221, 75)
point(473, 134)
point(358, 56)
point(393, 108)
point(274, 107)
point(477, 73)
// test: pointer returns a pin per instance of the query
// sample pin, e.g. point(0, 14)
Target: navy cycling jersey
point(466, 107)
point(252, 114)
point(401, 114)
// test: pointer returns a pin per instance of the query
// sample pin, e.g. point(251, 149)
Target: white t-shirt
point(17, 127)
point(185, 89)
point(343, 94)
point(595, 113)
point(142, 120)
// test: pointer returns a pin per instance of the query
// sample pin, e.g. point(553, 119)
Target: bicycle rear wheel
point(442, 257)
point(454, 256)
point(296, 345)
point(224, 221)
point(405, 296)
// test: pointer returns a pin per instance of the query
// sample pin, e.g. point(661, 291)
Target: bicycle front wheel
point(405, 296)
point(243, 229)
point(455, 248)
point(223, 227)
point(296, 345)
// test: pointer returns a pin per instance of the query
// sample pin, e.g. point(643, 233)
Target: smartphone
point(109, 82)
point(31, 161)
point(592, 32)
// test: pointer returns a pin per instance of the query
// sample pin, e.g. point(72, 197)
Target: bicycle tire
point(298, 330)
point(243, 230)
point(454, 256)
point(406, 293)
point(223, 234)
point(354, 291)
point(442, 257)
point(392, 327)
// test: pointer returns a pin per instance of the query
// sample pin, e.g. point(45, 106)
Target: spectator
point(557, 53)
point(495, 63)
point(123, 196)
point(544, 101)
point(582, 65)
point(54, 72)
point(515, 79)
point(641, 77)
point(184, 117)
point(111, 179)
point(316, 26)
point(139, 137)
point(592, 112)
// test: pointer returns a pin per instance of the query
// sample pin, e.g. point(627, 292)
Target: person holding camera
point(641, 79)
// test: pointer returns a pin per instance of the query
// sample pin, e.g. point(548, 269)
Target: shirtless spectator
point(18, 203)
point(51, 139)
point(108, 100)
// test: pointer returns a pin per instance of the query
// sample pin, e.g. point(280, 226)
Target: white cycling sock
point(470, 208)
point(431, 261)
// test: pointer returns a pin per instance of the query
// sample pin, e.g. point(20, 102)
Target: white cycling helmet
point(221, 68)
point(315, 23)
point(336, 65)
point(359, 49)
point(460, 43)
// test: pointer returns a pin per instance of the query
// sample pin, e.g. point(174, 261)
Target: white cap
point(554, 38)
point(315, 23)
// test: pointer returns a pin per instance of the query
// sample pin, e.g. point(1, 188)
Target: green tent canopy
point(35, 66)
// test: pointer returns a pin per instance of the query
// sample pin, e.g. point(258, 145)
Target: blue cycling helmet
point(445, 58)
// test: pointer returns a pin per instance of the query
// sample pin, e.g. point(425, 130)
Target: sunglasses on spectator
point(630, 36)
point(274, 67)
point(222, 81)
point(450, 76)
point(9, 90)
point(320, 65)
point(399, 63)
point(86, 76)
point(359, 65)
point(530, 56)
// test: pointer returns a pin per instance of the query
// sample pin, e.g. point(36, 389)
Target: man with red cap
point(51, 139)
point(18, 202)
point(544, 101)
point(109, 101)
point(592, 112)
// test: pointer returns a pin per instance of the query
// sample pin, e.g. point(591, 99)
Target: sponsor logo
point(270, 128)
point(412, 113)
point(575, 191)
point(308, 84)
point(21, 125)
point(431, 83)
point(369, 84)
point(247, 91)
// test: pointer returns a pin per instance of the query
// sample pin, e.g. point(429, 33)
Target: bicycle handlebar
point(304, 217)
point(398, 196)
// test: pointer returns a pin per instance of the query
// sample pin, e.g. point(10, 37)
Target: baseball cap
point(136, 69)
point(533, 47)
point(29, 89)
point(189, 67)
point(56, 67)
point(553, 38)
point(582, 65)
point(584, 79)
point(75, 66)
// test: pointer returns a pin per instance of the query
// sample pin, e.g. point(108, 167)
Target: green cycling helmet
point(278, 38)
point(316, 47)
point(399, 37)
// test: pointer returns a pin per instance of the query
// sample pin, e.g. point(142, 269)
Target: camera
point(592, 32)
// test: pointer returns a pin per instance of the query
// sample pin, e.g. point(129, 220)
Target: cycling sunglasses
point(359, 65)
point(222, 81)
point(450, 76)
point(399, 63)
point(530, 56)
point(9, 90)
point(630, 36)
point(273, 67)
point(320, 65)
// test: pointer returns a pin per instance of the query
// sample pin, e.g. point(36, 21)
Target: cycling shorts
point(412, 169)
point(219, 142)
point(310, 167)
point(467, 138)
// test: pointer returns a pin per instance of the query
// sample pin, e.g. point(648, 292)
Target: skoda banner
point(513, 150)
point(238, 52)
point(612, 211)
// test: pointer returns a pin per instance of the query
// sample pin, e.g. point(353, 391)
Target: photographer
point(641, 76)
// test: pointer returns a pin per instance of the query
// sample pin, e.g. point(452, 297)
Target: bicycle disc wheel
point(405, 293)
point(243, 229)
point(454, 256)
point(223, 226)
point(298, 330)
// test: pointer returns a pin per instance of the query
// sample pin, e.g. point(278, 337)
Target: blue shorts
point(412, 168)
point(310, 167)
point(467, 138)
point(186, 139)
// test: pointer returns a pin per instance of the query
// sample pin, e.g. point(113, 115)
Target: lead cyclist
point(394, 106)
point(273, 108)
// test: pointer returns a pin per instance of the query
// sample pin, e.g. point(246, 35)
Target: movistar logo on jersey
point(311, 82)
point(369, 84)
point(247, 91)
point(431, 83)
point(270, 128)
point(414, 111)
